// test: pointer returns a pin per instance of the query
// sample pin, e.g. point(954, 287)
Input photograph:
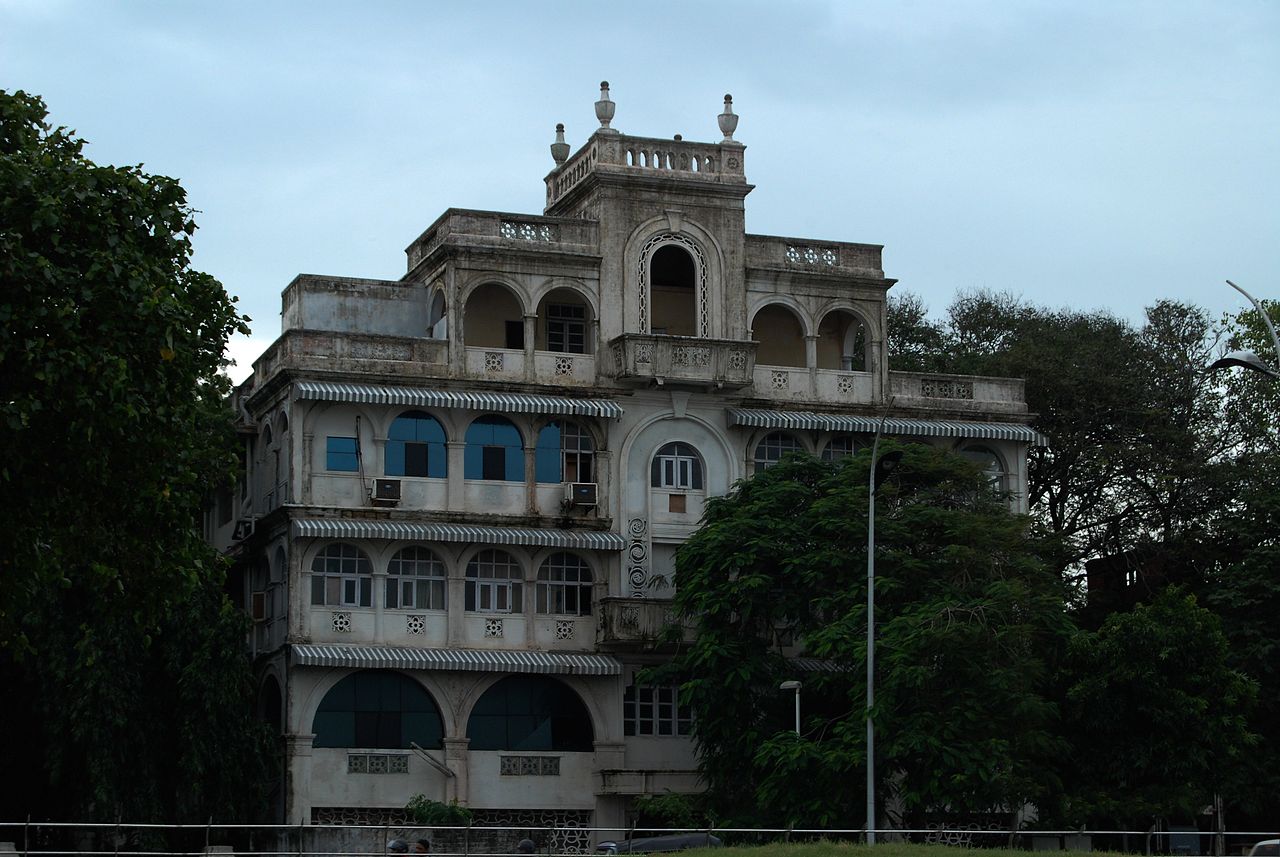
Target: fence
point(65, 839)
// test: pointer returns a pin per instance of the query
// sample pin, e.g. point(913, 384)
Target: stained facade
point(464, 488)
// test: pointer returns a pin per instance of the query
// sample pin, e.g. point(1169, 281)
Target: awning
point(513, 403)
point(349, 528)
point(816, 665)
point(453, 660)
point(801, 420)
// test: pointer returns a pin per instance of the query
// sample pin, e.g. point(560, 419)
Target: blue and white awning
point(801, 420)
point(353, 528)
point(453, 660)
point(512, 403)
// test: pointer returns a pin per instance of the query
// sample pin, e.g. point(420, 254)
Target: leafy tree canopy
point(115, 635)
point(969, 619)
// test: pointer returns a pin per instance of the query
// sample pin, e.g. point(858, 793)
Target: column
point(455, 493)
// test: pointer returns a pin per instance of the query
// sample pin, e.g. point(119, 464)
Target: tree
point(128, 692)
point(1156, 713)
point(969, 620)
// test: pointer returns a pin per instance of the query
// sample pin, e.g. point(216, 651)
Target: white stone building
point(464, 488)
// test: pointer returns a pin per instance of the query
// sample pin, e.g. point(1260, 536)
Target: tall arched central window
point(678, 466)
point(673, 296)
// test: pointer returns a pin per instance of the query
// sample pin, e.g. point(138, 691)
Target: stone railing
point(958, 392)
point(635, 622)
point(468, 228)
point(718, 162)
point(683, 360)
point(320, 349)
point(802, 255)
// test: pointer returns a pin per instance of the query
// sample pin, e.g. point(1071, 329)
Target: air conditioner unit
point(581, 494)
point(258, 606)
point(386, 490)
point(243, 529)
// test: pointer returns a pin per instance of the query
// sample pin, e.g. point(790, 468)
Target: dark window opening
point(515, 334)
point(567, 328)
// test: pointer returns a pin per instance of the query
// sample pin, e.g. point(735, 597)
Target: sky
point(1091, 155)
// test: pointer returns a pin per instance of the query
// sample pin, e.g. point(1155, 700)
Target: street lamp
point(1245, 358)
point(880, 470)
point(793, 685)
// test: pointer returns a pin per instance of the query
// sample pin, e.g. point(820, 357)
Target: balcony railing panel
point(646, 358)
point(636, 622)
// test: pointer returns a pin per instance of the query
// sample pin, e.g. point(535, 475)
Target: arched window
point(530, 713)
point(781, 337)
point(341, 576)
point(840, 446)
point(842, 342)
point(673, 291)
point(494, 451)
point(493, 318)
point(677, 466)
point(565, 453)
point(495, 583)
point(378, 709)
point(770, 450)
point(415, 580)
point(564, 586)
point(989, 463)
point(564, 320)
point(415, 446)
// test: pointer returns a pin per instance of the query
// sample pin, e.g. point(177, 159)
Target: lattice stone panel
point(570, 834)
point(358, 815)
point(781, 380)
point(565, 629)
point(493, 627)
point(493, 361)
point(941, 388)
point(845, 384)
point(564, 365)
point(415, 624)
point(341, 623)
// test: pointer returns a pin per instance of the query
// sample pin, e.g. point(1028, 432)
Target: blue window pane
point(500, 438)
point(395, 458)
point(415, 446)
point(547, 458)
point(340, 454)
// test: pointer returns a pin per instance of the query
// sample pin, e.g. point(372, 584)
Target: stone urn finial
point(605, 107)
point(728, 119)
point(559, 149)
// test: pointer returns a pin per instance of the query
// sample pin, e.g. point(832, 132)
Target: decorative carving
point(564, 365)
point(357, 816)
point(372, 349)
point(797, 255)
point(415, 624)
point(564, 629)
point(629, 617)
point(781, 379)
point(493, 627)
point(618, 359)
point(643, 277)
point(569, 831)
point(493, 361)
point(644, 352)
point(637, 528)
point(844, 384)
point(341, 622)
point(737, 360)
point(943, 388)
point(542, 232)
point(690, 355)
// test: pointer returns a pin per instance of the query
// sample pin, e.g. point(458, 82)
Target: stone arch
point(493, 313)
point(531, 712)
point(342, 719)
point(780, 327)
point(567, 318)
point(676, 229)
point(844, 339)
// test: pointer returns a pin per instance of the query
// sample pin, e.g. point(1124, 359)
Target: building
point(464, 488)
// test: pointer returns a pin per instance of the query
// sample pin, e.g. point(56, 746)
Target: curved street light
point(1247, 359)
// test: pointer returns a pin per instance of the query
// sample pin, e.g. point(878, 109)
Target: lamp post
point(880, 470)
point(1245, 358)
point(793, 685)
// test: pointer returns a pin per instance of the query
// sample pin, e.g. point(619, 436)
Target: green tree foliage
point(969, 618)
point(1160, 712)
point(126, 692)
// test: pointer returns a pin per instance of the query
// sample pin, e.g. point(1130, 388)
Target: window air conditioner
point(386, 490)
point(580, 494)
point(258, 607)
point(243, 529)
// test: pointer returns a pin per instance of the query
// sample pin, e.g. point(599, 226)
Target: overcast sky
point(1092, 155)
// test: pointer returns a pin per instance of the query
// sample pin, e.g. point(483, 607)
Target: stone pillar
point(455, 495)
point(455, 603)
point(531, 474)
point(308, 443)
point(530, 334)
point(811, 360)
point(298, 778)
point(457, 759)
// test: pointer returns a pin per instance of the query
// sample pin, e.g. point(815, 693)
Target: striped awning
point(893, 425)
point(349, 528)
point(816, 665)
point(453, 660)
point(512, 403)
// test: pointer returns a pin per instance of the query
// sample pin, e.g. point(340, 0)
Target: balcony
point(683, 360)
point(635, 623)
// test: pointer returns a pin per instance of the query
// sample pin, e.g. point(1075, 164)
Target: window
point(530, 713)
point(494, 583)
point(341, 576)
point(648, 710)
point(989, 463)
point(770, 450)
point(415, 580)
point(839, 447)
point(565, 453)
point(677, 466)
point(342, 453)
point(564, 586)
point(494, 451)
point(377, 709)
point(567, 328)
point(415, 446)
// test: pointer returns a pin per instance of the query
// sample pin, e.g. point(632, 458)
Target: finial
point(559, 149)
point(604, 107)
point(728, 119)
point(679, 137)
